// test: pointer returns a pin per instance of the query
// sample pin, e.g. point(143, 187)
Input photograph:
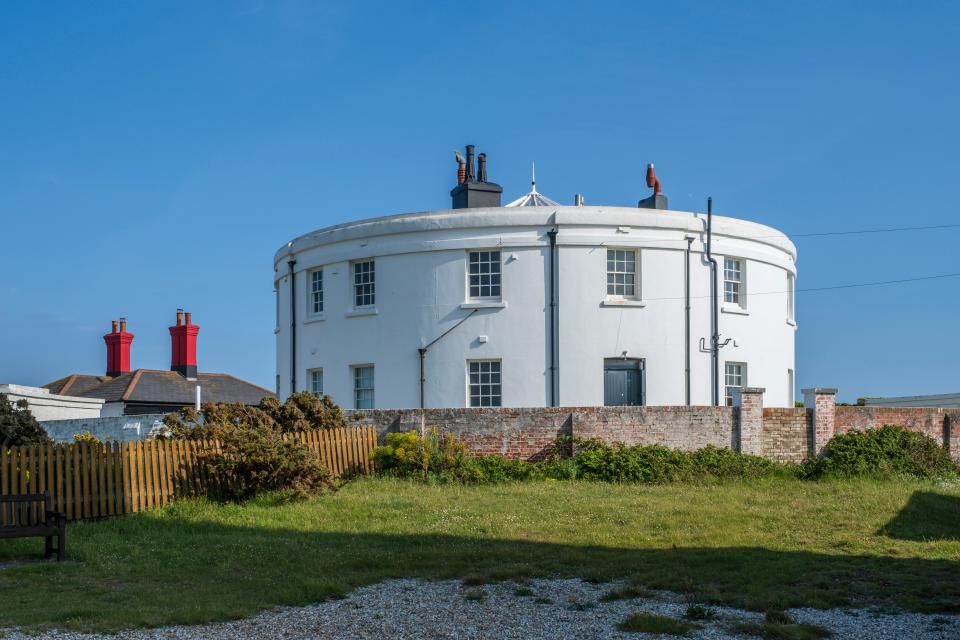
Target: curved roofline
point(570, 216)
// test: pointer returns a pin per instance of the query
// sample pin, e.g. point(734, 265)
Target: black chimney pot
point(476, 192)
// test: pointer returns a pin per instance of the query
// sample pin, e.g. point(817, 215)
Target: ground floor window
point(315, 381)
point(484, 385)
point(735, 377)
point(363, 387)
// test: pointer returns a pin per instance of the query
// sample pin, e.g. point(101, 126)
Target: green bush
point(655, 464)
point(411, 455)
point(18, 427)
point(881, 453)
point(253, 460)
point(254, 457)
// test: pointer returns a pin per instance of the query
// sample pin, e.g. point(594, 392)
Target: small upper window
point(483, 269)
point(733, 290)
point(622, 273)
point(364, 284)
point(735, 376)
point(363, 387)
point(315, 380)
point(315, 299)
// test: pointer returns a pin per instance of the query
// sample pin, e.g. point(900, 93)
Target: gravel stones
point(535, 609)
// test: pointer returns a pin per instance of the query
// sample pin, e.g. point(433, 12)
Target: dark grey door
point(622, 382)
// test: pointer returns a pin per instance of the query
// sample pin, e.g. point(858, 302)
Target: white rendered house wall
point(421, 291)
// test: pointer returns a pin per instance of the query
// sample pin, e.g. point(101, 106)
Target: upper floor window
point(735, 376)
point(791, 295)
point(364, 284)
point(484, 384)
point(363, 387)
point(733, 281)
point(315, 297)
point(483, 270)
point(315, 380)
point(622, 273)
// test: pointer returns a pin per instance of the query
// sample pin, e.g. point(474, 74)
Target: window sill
point(614, 302)
point(362, 311)
point(734, 309)
point(320, 317)
point(484, 304)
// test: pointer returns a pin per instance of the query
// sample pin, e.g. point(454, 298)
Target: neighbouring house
point(535, 303)
point(942, 401)
point(45, 405)
point(125, 391)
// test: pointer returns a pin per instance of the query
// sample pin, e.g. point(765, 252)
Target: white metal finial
point(533, 177)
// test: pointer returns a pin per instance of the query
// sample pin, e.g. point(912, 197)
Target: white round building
point(536, 304)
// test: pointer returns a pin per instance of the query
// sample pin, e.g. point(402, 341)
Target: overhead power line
point(878, 283)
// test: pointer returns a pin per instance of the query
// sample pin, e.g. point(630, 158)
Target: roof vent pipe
point(578, 200)
point(471, 175)
point(482, 160)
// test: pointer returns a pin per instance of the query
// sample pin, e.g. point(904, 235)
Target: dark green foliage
point(777, 616)
point(700, 612)
point(254, 457)
point(881, 453)
point(18, 426)
point(656, 464)
point(651, 623)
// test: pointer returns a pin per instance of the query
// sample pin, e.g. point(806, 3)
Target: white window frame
point(315, 297)
point(735, 295)
point(489, 389)
point(367, 299)
point(494, 271)
point(355, 373)
point(727, 387)
point(636, 273)
point(313, 377)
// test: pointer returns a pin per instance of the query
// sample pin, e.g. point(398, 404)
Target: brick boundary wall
point(782, 434)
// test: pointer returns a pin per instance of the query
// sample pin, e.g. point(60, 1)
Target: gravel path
point(536, 609)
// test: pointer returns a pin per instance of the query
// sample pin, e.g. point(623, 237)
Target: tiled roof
point(161, 387)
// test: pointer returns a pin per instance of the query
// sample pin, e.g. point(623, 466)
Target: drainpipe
point(686, 297)
point(553, 317)
point(715, 313)
point(293, 326)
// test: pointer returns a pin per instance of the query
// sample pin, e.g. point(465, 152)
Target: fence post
point(951, 427)
point(749, 404)
point(823, 403)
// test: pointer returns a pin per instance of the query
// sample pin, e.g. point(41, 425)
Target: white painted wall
point(421, 293)
point(48, 406)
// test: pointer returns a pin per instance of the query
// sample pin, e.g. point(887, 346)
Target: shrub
point(412, 455)
point(885, 452)
point(254, 457)
point(86, 436)
point(18, 427)
point(656, 464)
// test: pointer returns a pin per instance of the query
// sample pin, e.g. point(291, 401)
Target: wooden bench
point(30, 516)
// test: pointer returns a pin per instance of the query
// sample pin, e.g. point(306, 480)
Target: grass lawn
point(763, 545)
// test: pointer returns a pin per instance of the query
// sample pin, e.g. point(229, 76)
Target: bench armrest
point(56, 517)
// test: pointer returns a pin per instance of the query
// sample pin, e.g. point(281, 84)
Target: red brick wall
point(925, 420)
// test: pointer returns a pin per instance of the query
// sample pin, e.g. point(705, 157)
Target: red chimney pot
point(118, 349)
point(183, 342)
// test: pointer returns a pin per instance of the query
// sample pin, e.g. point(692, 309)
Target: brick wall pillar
point(951, 427)
point(823, 403)
point(749, 404)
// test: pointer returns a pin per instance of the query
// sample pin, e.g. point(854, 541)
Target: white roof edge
point(568, 215)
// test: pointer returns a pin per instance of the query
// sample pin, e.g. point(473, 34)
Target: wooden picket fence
point(89, 480)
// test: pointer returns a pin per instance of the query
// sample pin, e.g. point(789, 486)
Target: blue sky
point(155, 155)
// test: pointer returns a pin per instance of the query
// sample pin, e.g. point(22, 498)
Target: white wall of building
point(421, 292)
point(48, 406)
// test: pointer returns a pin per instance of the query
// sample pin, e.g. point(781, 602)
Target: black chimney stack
point(475, 191)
